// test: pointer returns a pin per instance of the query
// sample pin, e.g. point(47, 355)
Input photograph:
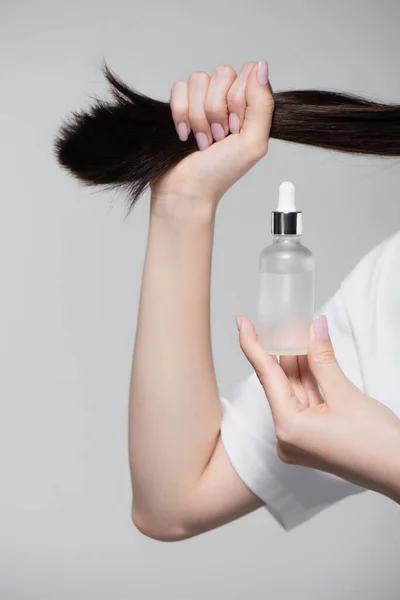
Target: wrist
point(179, 207)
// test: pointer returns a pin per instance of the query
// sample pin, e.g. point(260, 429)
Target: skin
point(183, 483)
point(342, 431)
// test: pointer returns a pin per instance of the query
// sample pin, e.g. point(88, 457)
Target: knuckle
point(179, 107)
point(178, 84)
point(178, 99)
point(198, 77)
point(197, 123)
point(179, 112)
point(325, 357)
point(235, 99)
point(270, 101)
point(249, 64)
point(224, 70)
point(215, 111)
point(198, 120)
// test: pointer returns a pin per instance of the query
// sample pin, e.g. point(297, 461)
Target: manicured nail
point(218, 131)
point(238, 322)
point(321, 328)
point(262, 72)
point(234, 123)
point(182, 131)
point(202, 141)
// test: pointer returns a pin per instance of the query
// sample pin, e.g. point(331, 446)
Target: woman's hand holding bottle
point(343, 431)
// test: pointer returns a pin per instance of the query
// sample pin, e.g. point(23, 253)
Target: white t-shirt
point(364, 324)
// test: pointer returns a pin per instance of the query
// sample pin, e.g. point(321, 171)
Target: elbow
point(158, 528)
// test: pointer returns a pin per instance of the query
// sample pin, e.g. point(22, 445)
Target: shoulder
point(379, 266)
point(373, 286)
point(371, 306)
point(358, 312)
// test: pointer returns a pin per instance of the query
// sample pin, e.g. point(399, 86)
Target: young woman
point(197, 460)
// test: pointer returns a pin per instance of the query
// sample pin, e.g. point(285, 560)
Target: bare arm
point(182, 480)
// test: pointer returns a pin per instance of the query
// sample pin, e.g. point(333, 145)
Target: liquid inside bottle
point(286, 296)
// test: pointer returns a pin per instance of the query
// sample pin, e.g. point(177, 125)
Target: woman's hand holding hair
point(212, 107)
point(341, 431)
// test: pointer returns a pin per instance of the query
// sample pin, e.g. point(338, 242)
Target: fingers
point(276, 385)
point(309, 383)
point(210, 101)
point(291, 368)
point(179, 102)
point(323, 364)
point(259, 109)
point(188, 109)
point(236, 98)
point(197, 91)
point(290, 365)
point(212, 107)
point(216, 108)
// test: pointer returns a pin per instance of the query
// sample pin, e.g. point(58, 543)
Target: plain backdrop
point(70, 276)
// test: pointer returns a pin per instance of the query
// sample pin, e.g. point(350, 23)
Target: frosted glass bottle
point(286, 284)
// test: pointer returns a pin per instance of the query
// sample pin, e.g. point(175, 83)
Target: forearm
point(369, 450)
point(175, 413)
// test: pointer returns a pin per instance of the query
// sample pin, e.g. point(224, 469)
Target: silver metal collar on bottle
point(286, 223)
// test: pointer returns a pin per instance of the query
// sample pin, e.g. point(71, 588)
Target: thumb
point(259, 106)
point(322, 361)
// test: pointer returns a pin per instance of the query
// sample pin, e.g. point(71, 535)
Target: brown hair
point(131, 140)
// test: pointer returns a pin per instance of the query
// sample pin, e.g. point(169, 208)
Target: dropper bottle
point(286, 288)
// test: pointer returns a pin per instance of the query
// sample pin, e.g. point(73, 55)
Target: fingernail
point(218, 131)
point(234, 123)
point(321, 328)
point(182, 131)
point(202, 141)
point(262, 72)
point(238, 322)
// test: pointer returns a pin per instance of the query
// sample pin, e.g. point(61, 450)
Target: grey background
point(71, 270)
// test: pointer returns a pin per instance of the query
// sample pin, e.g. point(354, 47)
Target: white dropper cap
point(286, 220)
point(286, 198)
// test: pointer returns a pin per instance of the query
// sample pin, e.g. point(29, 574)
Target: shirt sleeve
point(292, 494)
